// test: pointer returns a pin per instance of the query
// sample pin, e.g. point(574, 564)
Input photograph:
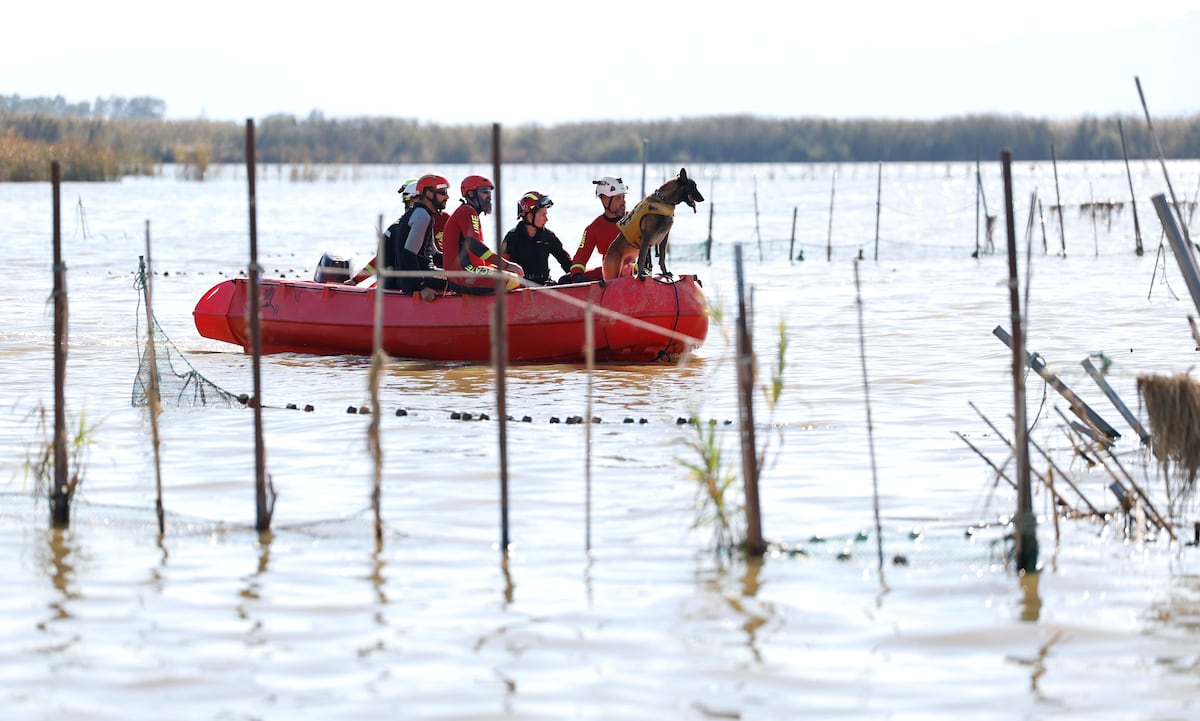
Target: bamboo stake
point(1155, 516)
point(152, 400)
point(589, 354)
point(755, 547)
point(60, 499)
point(1058, 199)
point(879, 207)
point(1131, 419)
point(1025, 522)
point(1162, 161)
point(378, 360)
point(1180, 247)
point(262, 511)
point(862, 354)
point(757, 228)
point(711, 210)
point(1095, 235)
point(792, 243)
point(500, 350)
point(1042, 222)
point(829, 238)
point(1137, 229)
point(978, 192)
point(1078, 407)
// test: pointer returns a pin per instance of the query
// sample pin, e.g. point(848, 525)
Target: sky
point(547, 63)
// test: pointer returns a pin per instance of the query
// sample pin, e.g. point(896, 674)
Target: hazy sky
point(551, 62)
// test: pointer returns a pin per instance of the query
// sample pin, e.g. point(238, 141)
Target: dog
point(648, 226)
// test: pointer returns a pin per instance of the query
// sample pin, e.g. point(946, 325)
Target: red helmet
point(531, 201)
point(475, 182)
point(431, 182)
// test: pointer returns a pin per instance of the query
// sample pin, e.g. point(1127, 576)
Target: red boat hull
point(633, 320)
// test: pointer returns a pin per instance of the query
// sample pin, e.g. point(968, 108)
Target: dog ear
point(683, 173)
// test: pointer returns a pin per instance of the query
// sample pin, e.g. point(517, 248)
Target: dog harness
point(631, 224)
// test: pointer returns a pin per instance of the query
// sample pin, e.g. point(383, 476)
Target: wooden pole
point(1062, 237)
point(261, 503)
point(711, 210)
point(378, 360)
point(645, 155)
point(792, 243)
point(152, 393)
point(1180, 247)
point(829, 237)
point(589, 354)
point(757, 228)
point(500, 350)
point(60, 499)
point(1137, 229)
point(1131, 419)
point(978, 195)
point(1162, 161)
point(879, 207)
point(1078, 406)
point(1095, 235)
point(1025, 522)
point(755, 547)
point(862, 353)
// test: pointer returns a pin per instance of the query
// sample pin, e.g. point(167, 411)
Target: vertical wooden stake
point(711, 210)
point(60, 499)
point(1062, 233)
point(152, 400)
point(792, 243)
point(757, 229)
point(1137, 229)
point(589, 354)
point(829, 238)
point(862, 352)
point(1025, 522)
point(878, 207)
point(261, 504)
point(745, 380)
point(500, 350)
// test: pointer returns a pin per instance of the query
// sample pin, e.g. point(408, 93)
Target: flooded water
point(317, 621)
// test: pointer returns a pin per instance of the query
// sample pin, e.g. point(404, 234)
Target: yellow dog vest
point(631, 224)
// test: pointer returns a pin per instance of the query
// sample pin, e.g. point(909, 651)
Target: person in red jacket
point(601, 232)
point(463, 248)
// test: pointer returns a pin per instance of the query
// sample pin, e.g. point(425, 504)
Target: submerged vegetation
point(119, 137)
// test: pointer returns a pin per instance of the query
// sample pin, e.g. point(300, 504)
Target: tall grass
point(39, 458)
point(24, 160)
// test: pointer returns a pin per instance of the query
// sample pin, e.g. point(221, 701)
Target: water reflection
point(1031, 602)
point(743, 600)
point(61, 555)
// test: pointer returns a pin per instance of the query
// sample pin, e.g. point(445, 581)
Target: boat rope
point(662, 354)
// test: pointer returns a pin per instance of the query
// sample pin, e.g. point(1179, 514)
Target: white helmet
point(609, 187)
point(408, 191)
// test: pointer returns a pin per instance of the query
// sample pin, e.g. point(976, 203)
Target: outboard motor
point(332, 269)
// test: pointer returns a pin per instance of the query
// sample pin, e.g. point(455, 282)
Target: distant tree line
point(140, 138)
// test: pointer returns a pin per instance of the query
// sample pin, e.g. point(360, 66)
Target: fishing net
point(179, 384)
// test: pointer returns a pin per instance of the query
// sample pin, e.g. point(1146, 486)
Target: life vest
point(631, 224)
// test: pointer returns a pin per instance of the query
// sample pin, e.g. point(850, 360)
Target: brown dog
point(648, 227)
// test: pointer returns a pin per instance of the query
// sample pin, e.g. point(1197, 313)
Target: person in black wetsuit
point(408, 243)
point(530, 244)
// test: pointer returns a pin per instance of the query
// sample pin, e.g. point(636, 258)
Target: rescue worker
point(601, 232)
point(530, 244)
point(408, 193)
point(463, 247)
point(408, 243)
